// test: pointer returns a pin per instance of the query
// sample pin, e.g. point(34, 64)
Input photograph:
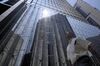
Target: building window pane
point(82, 29)
point(91, 21)
point(81, 12)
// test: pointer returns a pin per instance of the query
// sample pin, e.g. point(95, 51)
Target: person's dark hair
point(84, 61)
point(69, 35)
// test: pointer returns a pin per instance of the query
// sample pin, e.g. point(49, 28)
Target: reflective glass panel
point(83, 29)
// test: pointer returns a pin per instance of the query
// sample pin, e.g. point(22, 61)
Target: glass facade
point(82, 29)
point(2, 1)
point(92, 22)
point(81, 12)
point(85, 15)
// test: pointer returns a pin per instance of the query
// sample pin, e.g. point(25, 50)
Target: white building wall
point(94, 13)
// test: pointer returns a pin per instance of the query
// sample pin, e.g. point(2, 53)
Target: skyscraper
point(41, 35)
point(89, 12)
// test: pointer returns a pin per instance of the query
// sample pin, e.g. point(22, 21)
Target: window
point(82, 29)
point(92, 22)
point(81, 12)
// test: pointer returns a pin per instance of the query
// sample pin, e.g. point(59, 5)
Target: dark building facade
point(36, 33)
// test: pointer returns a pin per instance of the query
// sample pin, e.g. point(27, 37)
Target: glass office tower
point(41, 35)
point(89, 11)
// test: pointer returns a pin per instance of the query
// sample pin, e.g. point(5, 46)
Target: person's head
point(69, 35)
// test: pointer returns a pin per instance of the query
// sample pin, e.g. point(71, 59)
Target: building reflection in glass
point(83, 29)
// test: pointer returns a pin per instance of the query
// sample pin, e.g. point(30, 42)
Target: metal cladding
point(49, 47)
point(37, 32)
point(11, 50)
point(89, 12)
point(10, 42)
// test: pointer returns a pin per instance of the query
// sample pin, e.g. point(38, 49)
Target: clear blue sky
point(94, 3)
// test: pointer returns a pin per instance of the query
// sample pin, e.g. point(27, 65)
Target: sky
point(94, 3)
point(72, 2)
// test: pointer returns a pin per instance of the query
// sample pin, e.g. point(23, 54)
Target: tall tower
point(89, 12)
point(42, 33)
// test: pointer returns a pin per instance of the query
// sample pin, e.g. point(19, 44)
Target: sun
point(45, 13)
